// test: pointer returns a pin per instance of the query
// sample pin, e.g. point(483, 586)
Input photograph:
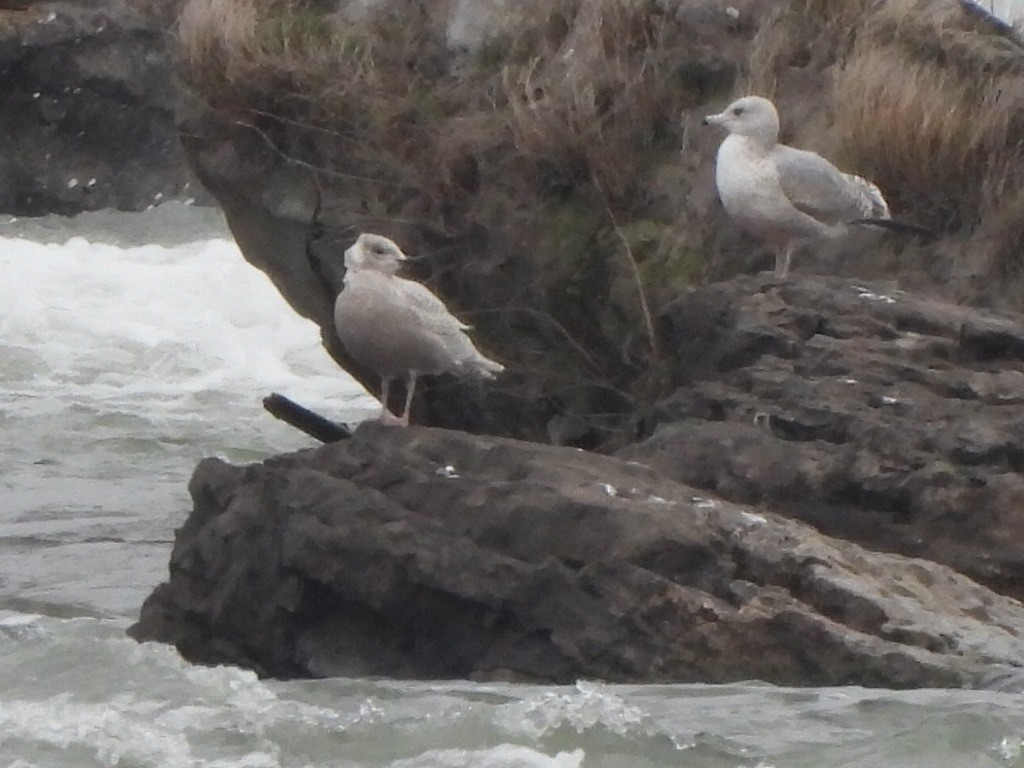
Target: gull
point(396, 327)
point(787, 196)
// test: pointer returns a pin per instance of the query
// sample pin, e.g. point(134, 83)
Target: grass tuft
point(944, 145)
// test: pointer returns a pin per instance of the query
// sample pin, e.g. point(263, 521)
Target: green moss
point(668, 260)
point(492, 55)
point(569, 230)
point(429, 105)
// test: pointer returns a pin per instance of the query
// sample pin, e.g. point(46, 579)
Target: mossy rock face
point(516, 169)
point(554, 178)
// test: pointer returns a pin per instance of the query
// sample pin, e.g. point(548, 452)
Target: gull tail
point(894, 225)
point(478, 365)
point(485, 367)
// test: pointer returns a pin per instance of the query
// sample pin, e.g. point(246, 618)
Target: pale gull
point(786, 196)
point(397, 327)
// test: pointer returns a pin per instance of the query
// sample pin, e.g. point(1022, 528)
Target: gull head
point(374, 252)
point(752, 116)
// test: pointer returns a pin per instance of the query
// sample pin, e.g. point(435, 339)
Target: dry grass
point(943, 145)
point(811, 34)
point(593, 110)
point(606, 90)
point(924, 99)
point(944, 138)
point(280, 58)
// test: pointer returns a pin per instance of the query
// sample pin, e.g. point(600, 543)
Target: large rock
point(87, 108)
point(427, 553)
point(890, 419)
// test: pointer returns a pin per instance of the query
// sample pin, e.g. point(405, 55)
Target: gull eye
point(737, 111)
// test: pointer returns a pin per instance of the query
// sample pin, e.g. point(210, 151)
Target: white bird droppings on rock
point(701, 503)
point(868, 295)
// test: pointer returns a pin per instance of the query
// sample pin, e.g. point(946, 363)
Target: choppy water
point(132, 345)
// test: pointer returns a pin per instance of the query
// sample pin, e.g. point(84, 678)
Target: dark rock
point(426, 553)
point(87, 108)
point(893, 420)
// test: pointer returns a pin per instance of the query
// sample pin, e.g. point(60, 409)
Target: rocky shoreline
point(815, 481)
point(433, 553)
point(425, 553)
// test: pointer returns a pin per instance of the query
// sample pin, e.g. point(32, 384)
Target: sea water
point(133, 345)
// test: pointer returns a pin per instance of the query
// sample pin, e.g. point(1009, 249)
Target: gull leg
point(385, 386)
point(409, 390)
point(782, 259)
point(386, 416)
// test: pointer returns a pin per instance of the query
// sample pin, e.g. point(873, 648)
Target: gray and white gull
point(782, 195)
point(397, 327)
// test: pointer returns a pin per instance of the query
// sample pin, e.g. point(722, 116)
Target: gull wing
point(816, 187)
point(432, 317)
point(423, 300)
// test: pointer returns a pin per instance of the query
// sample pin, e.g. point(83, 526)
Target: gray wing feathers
point(420, 298)
point(432, 316)
point(819, 189)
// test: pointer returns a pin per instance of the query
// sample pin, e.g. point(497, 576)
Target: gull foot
point(388, 419)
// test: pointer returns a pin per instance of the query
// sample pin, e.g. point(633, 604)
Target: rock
point(425, 553)
point(87, 109)
point(892, 420)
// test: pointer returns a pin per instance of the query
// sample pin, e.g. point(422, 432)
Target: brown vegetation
point(546, 138)
point(542, 172)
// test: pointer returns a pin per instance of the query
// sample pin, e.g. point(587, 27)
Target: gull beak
point(714, 119)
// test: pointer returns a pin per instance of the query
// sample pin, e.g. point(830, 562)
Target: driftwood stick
point(305, 420)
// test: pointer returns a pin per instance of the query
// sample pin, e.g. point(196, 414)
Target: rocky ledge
point(431, 553)
point(887, 418)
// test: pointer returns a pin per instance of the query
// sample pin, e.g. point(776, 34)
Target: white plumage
point(785, 196)
point(397, 327)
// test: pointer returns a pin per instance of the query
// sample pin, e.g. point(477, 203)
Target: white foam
point(501, 756)
point(588, 706)
point(103, 323)
point(107, 731)
point(121, 365)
